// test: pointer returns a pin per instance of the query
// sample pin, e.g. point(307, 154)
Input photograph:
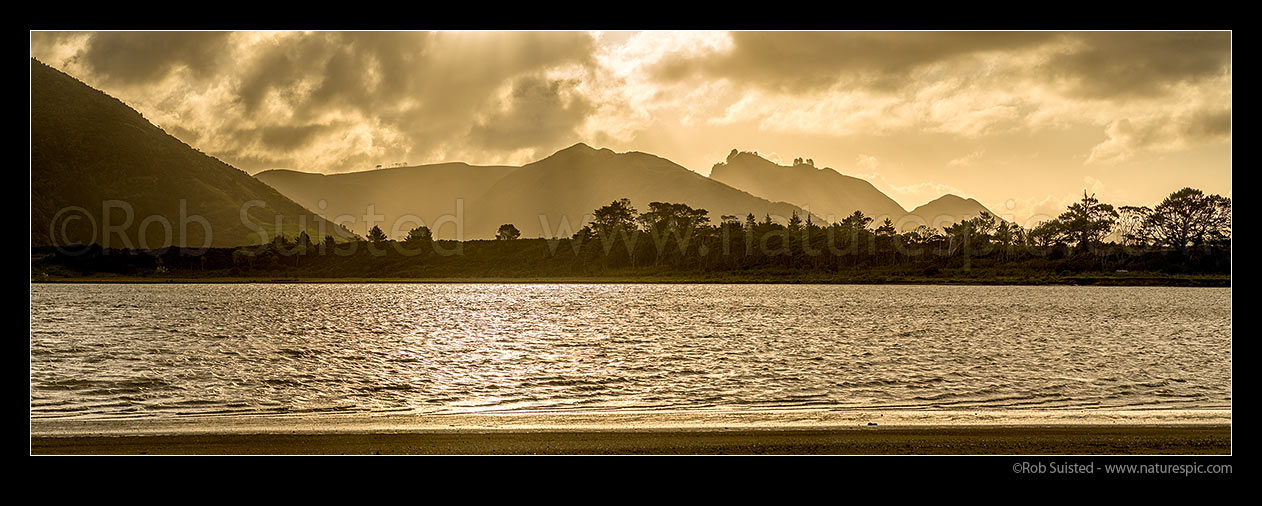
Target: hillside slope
point(403, 197)
point(945, 210)
point(824, 191)
point(91, 154)
point(573, 182)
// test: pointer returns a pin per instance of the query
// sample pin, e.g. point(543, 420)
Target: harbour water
point(102, 351)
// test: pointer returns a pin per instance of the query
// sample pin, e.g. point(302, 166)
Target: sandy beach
point(833, 433)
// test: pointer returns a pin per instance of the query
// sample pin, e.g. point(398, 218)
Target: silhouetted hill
point(426, 191)
point(89, 149)
point(824, 191)
point(944, 210)
point(573, 182)
point(827, 192)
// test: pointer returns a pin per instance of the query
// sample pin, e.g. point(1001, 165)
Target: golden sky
point(1021, 121)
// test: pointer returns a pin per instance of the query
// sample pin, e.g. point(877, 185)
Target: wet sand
point(1174, 440)
point(651, 433)
point(1034, 279)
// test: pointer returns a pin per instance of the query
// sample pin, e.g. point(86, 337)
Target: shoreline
point(813, 432)
point(1203, 282)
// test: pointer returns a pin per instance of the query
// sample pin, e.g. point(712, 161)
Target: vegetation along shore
point(1185, 241)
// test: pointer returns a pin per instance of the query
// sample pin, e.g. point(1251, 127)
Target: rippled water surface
point(147, 350)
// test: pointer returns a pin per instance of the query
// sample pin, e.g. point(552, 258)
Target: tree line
point(1189, 224)
point(1188, 232)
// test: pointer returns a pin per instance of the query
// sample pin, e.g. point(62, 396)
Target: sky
point(1024, 122)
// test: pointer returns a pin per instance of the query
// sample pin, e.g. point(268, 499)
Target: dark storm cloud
point(282, 66)
point(43, 42)
point(539, 113)
point(1193, 128)
point(141, 57)
point(369, 69)
point(354, 69)
point(1086, 64)
point(1123, 64)
point(1209, 125)
point(804, 61)
point(281, 137)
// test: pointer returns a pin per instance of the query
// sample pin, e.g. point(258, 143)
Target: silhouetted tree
point(376, 236)
point(885, 236)
point(507, 232)
point(617, 217)
point(795, 223)
point(730, 225)
point(856, 221)
point(665, 221)
point(612, 224)
point(886, 229)
point(1046, 233)
point(972, 236)
point(925, 239)
point(959, 235)
point(1008, 235)
point(1185, 218)
point(419, 235)
point(583, 234)
point(1130, 225)
point(677, 219)
point(1087, 222)
point(1188, 220)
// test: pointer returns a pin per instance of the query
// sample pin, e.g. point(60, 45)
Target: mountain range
point(827, 192)
point(558, 192)
point(571, 183)
point(89, 149)
point(401, 197)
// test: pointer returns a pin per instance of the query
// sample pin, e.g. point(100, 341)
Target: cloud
point(1093, 185)
point(630, 100)
point(1029, 212)
point(968, 85)
point(909, 196)
point(1161, 133)
point(537, 113)
point(142, 57)
point(283, 137)
point(812, 61)
point(1086, 64)
point(1086, 103)
point(967, 160)
point(1138, 64)
point(328, 101)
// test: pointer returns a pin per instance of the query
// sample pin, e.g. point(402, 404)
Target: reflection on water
point(172, 350)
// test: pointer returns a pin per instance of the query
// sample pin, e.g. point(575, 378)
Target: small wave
point(130, 385)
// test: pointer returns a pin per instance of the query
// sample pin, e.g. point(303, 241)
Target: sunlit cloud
point(907, 195)
point(1161, 133)
point(958, 112)
point(967, 160)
